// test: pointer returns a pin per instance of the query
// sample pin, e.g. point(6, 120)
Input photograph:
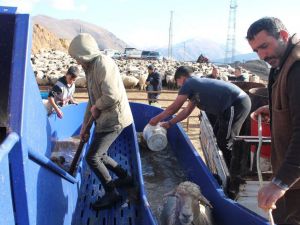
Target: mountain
point(240, 57)
point(44, 39)
point(191, 49)
point(68, 29)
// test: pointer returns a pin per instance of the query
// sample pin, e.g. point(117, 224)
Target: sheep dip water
point(161, 172)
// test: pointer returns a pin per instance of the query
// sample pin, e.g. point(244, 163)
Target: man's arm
point(55, 107)
point(155, 79)
point(109, 88)
point(56, 90)
point(181, 116)
point(289, 172)
point(170, 110)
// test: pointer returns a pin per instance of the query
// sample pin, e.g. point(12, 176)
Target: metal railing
point(8, 144)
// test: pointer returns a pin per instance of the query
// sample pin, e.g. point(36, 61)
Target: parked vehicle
point(132, 53)
point(151, 55)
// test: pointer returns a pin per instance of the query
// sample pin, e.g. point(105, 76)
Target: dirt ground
point(190, 125)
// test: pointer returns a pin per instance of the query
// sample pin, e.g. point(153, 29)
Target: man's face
point(269, 48)
point(215, 72)
point(237, 72)
point(70, 80)
point(180, 81)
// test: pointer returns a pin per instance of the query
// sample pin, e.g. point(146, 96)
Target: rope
point(258, 164)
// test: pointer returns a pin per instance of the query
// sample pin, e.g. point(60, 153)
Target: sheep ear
point(204, 201)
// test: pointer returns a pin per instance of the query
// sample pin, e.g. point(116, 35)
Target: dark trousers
point(228, 125)
point(97, 157)
point(152, 97)
point(287, 210)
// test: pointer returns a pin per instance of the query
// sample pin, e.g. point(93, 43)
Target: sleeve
point(289, 172)
point(56, 90)
point(155, 79)
point(109, 88)
point(148, 78)
point(87, 113)
point(185, 89)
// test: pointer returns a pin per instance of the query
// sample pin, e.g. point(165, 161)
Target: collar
point(293, 40)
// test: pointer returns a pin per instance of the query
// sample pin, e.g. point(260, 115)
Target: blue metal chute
point(34, 190)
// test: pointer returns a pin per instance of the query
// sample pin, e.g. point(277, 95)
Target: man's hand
point(165, 125)
point(268, 196)
point(95, 112)
point(265, 113)
point(59, 113)
point(153, 121)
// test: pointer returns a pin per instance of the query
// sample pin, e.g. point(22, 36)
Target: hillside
point(190, 50)
point(67, 29)
point(44, 39)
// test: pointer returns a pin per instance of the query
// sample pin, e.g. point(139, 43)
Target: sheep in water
point(185, 205)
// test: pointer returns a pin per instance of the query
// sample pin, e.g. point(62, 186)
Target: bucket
point(265, 150)
point(156, 137)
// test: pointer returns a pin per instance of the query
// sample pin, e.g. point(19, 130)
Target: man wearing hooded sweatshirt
point(109, 107)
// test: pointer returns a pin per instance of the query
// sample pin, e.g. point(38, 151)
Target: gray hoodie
point(105, 87)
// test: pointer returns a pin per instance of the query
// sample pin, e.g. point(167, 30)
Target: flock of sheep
point(49, 65)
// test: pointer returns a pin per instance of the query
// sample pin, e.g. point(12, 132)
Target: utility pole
point(170, 50)
point(230, 43)
point(184, 58)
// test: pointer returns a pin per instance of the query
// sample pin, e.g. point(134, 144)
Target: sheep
point(171, 84)
point(129, 81)
point(185, 205)
point(142, 81)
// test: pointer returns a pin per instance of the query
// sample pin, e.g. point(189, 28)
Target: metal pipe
point(258, 164)
point(8, 144)
point(47, 163)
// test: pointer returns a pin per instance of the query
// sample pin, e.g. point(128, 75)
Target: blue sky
point(145, 23)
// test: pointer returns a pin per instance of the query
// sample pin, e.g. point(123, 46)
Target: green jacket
point(105, 87)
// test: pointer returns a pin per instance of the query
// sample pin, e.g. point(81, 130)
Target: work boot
point(109, 199)
point(124, 180)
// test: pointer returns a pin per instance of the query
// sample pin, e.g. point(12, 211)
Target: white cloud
point(82, 8)
point(22, 5)
point(68, 5)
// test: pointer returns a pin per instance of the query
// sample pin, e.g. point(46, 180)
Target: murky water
point(161, 173)
point(63, 151)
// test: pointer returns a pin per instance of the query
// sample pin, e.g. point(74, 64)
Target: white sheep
point(185, 205)
point(129, 81)
point(171, 84)
point(142, 81)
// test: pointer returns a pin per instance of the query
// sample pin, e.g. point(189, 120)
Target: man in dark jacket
point(153, 83)
point(269, 38)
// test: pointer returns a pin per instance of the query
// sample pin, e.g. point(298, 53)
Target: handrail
point(46, 162)
point(8, 144)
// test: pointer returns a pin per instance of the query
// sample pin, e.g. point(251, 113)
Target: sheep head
point(188, 196)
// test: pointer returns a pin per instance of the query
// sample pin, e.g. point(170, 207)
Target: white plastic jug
point(156, 137)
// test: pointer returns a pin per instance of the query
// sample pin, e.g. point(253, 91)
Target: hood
point(84, 48)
